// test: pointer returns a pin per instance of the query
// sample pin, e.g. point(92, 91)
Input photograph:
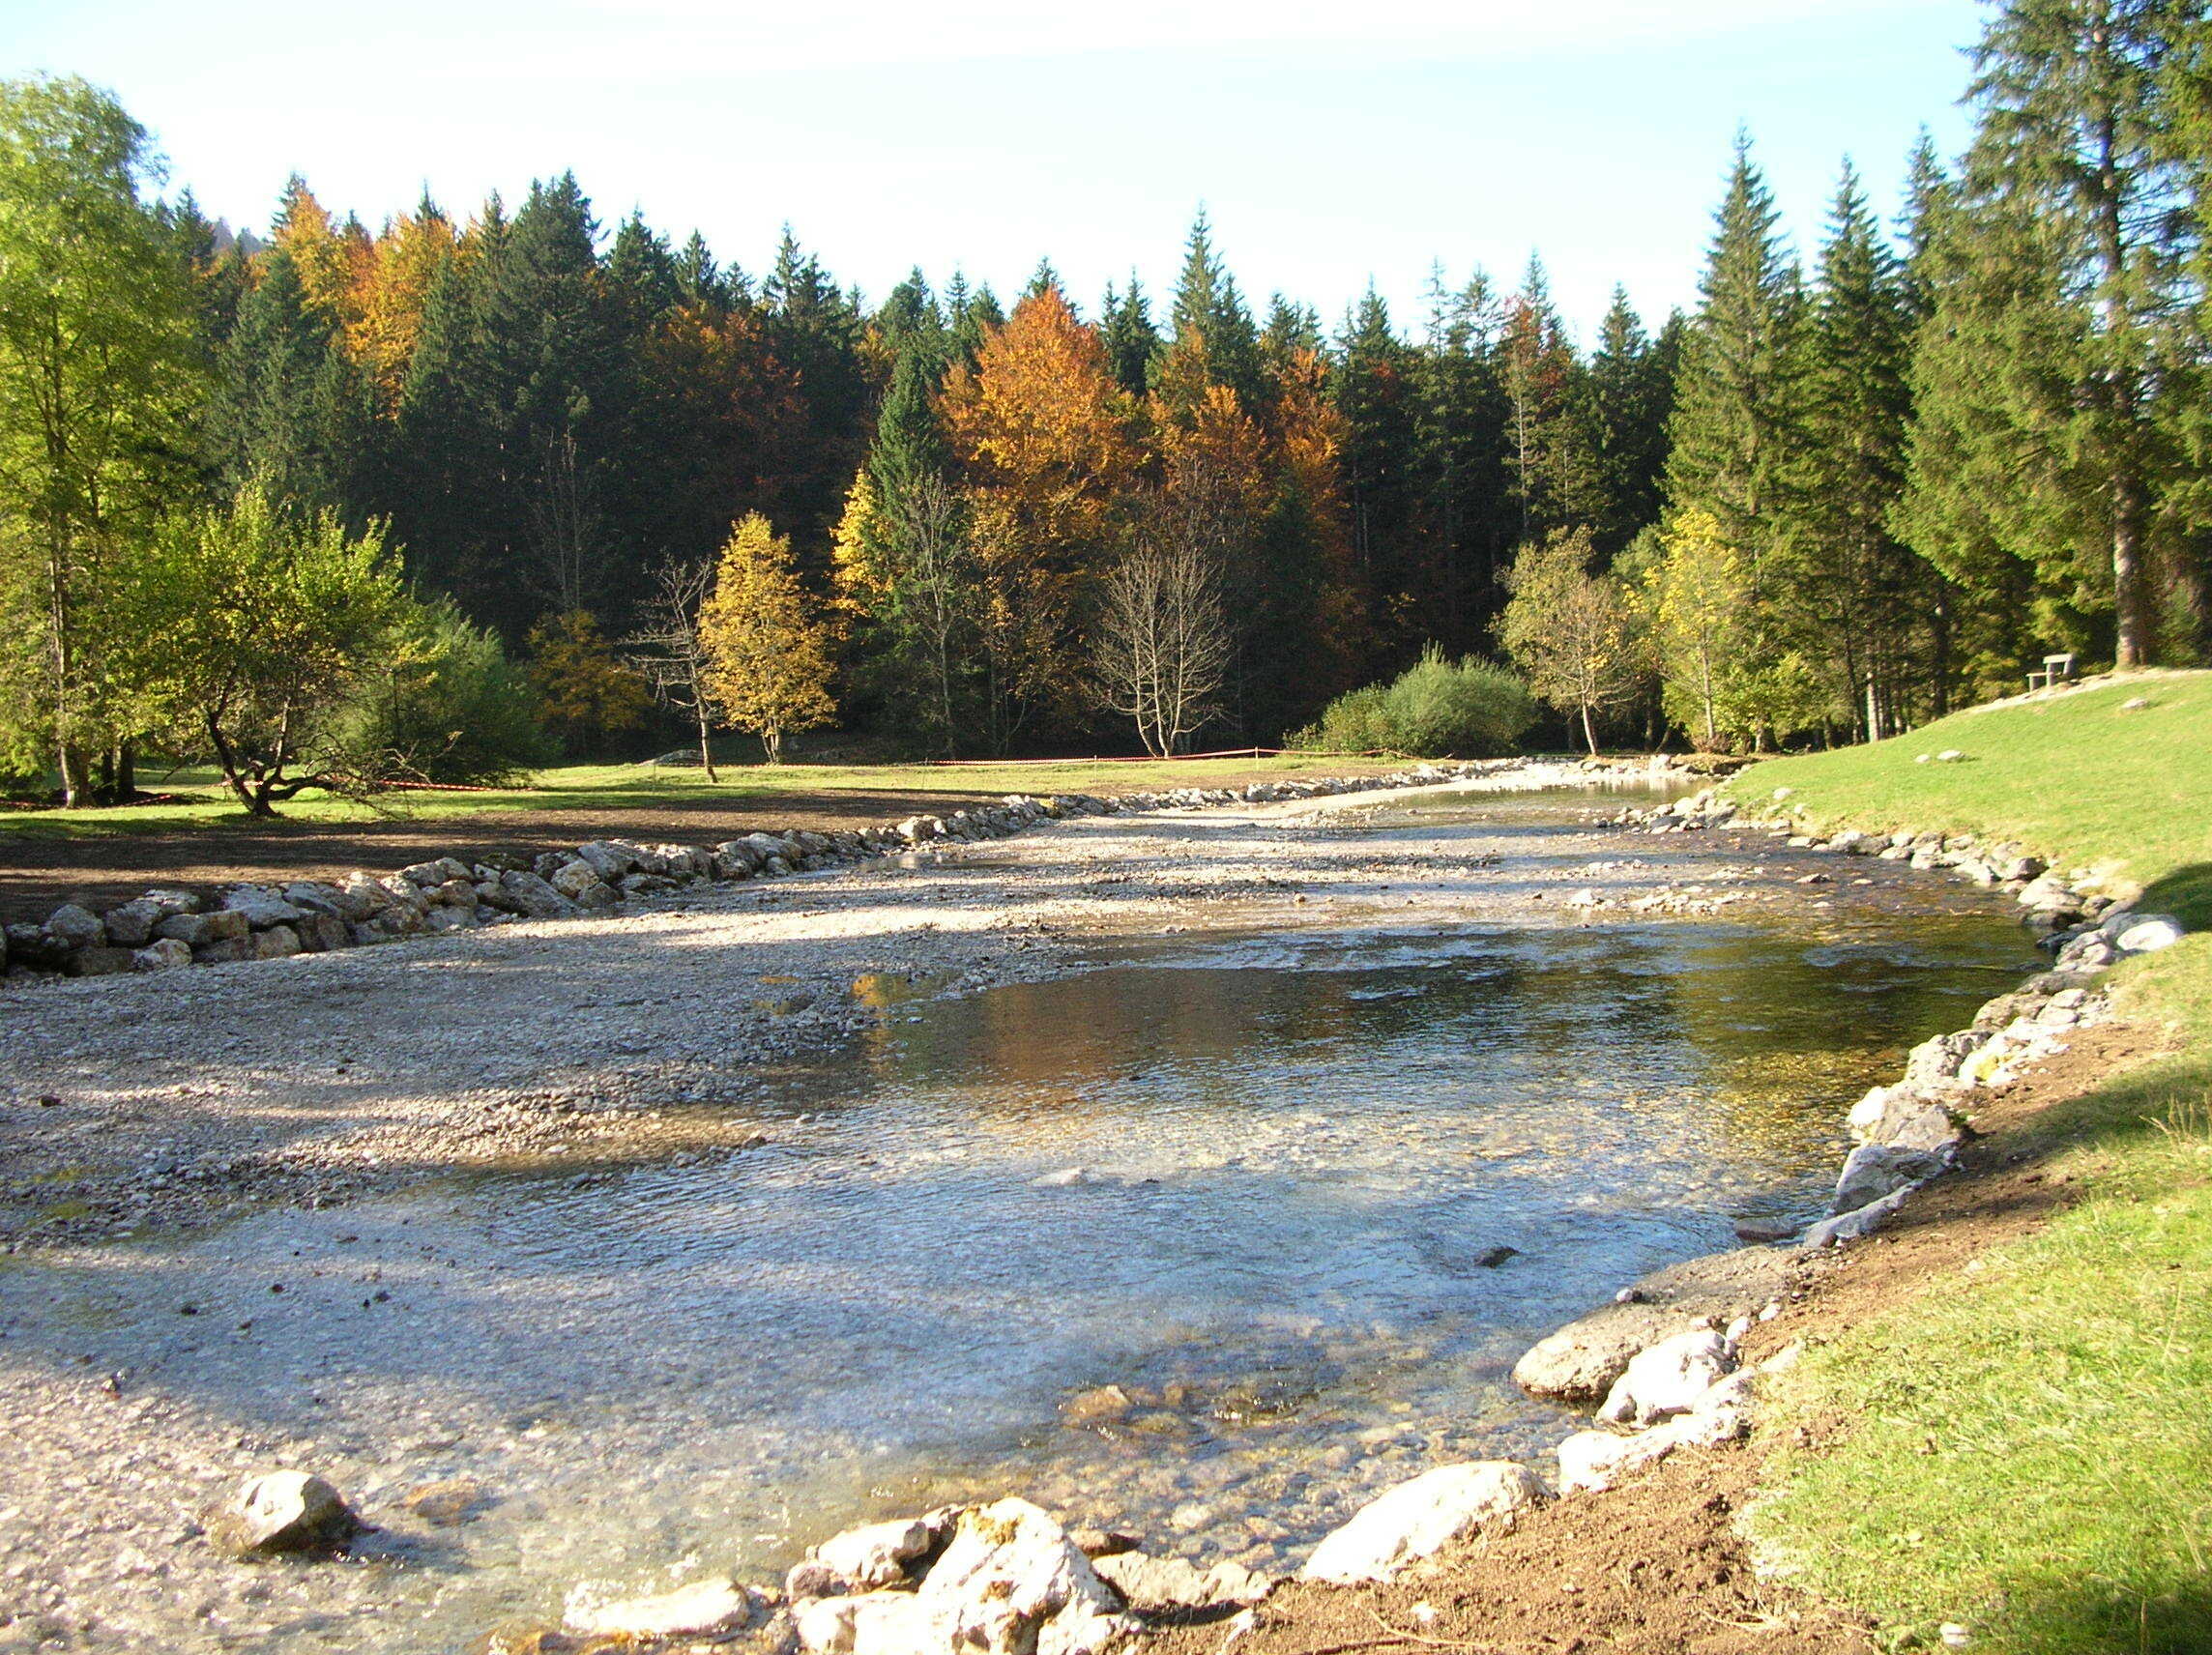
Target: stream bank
point(635, 1013)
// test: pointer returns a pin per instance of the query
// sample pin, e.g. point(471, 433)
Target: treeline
point(1829, 503)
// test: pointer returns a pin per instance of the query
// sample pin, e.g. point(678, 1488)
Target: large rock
point(1908, 1117)
point(1590, 1461)
point(873, 1555)
point(75, 926)
point(2144, 933)
point(1670, 1378)
point(528, 894)
point(1581, 1361)
point(198, 929)
point(1417, 1519)
point(262, 907)
point(1939, 1059)
point(1170, 1586)
point(1860, 1221)
point(131, 924)
point(868, 1623)
point(703, 1608)
point(283, 1511)
point(162, 954)
point(1011, 1581)
point(572, 880)
point(1872, 1171)
point(609, 858)
point(97, 962)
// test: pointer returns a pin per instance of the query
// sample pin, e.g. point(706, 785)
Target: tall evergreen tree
point(1211, 338)
point(290, 409)
point(1552, 439)
point(1632, 393)
point(2039, 431)
point(1125, 326)
point(1863, 590)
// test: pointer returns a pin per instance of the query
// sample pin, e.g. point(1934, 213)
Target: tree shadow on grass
point(2184, 893)
point(2161, 1610)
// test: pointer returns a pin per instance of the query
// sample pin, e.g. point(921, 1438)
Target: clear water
point(1296, 1156)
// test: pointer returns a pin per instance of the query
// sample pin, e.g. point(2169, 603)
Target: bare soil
point(1656, 1566)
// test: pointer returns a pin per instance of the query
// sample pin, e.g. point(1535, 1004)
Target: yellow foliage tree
point(1043, 432)
point(1570, 632)
point(333, 260)
point(768, 656)
point(406, 261)
point(586, 694)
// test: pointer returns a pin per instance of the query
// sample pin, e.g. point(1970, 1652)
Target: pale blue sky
point(1330, 143)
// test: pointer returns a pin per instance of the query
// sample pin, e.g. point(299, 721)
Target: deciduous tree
point(768, 655)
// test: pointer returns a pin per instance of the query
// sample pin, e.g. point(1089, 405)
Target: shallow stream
point(1208, 1242)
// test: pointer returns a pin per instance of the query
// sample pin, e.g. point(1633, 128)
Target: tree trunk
point(125, 773)
point(705, 754)
point(1590, 733)
point(2131, 586)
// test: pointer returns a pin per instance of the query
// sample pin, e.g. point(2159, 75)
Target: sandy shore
point(153, 1105)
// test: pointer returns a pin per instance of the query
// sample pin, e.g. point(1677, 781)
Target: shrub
point(1435, 708)
point(448, 706)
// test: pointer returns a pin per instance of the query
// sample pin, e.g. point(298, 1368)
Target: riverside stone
point(1011, 1581)
point(1669, 1378)
point(75, 926)
point(877, 1553)
point(96, 962)
point(1581, 1361)
point(1593, 1461)
point(279, 1512)
point(2146, 932)
point(1417, 1519)
point(1872, 1171)
point(262, 907)
point(162, 954)
point(704, 1608)
point(1860, 1221)
point(198, 929)
point(1165, 1585)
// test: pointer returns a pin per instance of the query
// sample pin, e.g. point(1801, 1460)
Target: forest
point(449, 498)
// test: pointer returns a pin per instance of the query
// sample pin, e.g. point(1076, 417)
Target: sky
point(1332, 145)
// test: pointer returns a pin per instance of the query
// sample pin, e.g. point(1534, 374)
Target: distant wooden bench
point(2056, 669)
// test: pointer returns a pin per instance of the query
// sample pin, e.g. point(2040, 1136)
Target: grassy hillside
point(2030, 1453)
point(2084, 780)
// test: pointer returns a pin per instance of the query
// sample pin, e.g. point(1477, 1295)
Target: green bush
point(447, 707)
point(1435, 708)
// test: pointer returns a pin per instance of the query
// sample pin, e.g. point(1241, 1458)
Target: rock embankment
point(163, 929)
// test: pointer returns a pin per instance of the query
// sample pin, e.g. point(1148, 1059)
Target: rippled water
point(1201, 1244)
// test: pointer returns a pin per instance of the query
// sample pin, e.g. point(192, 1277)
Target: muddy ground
point(149, 1105)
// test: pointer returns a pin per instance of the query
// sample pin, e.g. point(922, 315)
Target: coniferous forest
point(480, 486)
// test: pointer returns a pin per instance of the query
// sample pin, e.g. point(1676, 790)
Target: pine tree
point(1464, 518)
point(1734, 433)
point(1632, 391)
point(1551, 440)
point(1211, 339)
point(1858, 587)
point(1126, 325)
point(2038, 432)
point(290, 408)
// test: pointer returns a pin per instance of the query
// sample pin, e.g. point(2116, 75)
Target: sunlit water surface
point(1259, 1186)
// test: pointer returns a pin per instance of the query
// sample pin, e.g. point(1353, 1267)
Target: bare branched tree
point(668, 651)
point(1163, 645)
point(563, 527)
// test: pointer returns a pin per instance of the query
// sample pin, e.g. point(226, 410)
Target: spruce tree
point(1858, 585)
point(2038, 431)
point(1126, 325)
point(1632, 393)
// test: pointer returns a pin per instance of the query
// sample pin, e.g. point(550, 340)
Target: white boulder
point(1670, 1378)
point(1417, 1519)
point(700, 1610)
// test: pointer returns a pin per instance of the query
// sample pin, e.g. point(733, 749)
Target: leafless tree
point(563, 527)
point(668, 651)
point(1163, 645)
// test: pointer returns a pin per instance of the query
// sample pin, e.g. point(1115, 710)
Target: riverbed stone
point(162, 954)
point(866, 1623)
point(1910, 1116)
point(282, 1512)
point(261, 906)
point(1592, 1461)
point(1415, 1520)
point(1011, 1581)
point(704, 1608)
point(880, 1554)
point(131, 924)
point(2144, 933)
point(75, 926)
point(97, 962)
point(1669, 1378)
point(1859, 1222)
point(1170, 1586)
point(1872, 1171)
point(1581, 1361)
point(277, 943)
point(528, 894)
point(199, 930)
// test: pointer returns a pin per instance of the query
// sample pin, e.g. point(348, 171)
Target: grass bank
point(2115, 779)
point(2028, 1453)
point(196, 799)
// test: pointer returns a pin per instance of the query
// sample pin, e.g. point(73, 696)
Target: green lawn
point(2029, 1451)
point(2085, 780)
point(202, 801)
